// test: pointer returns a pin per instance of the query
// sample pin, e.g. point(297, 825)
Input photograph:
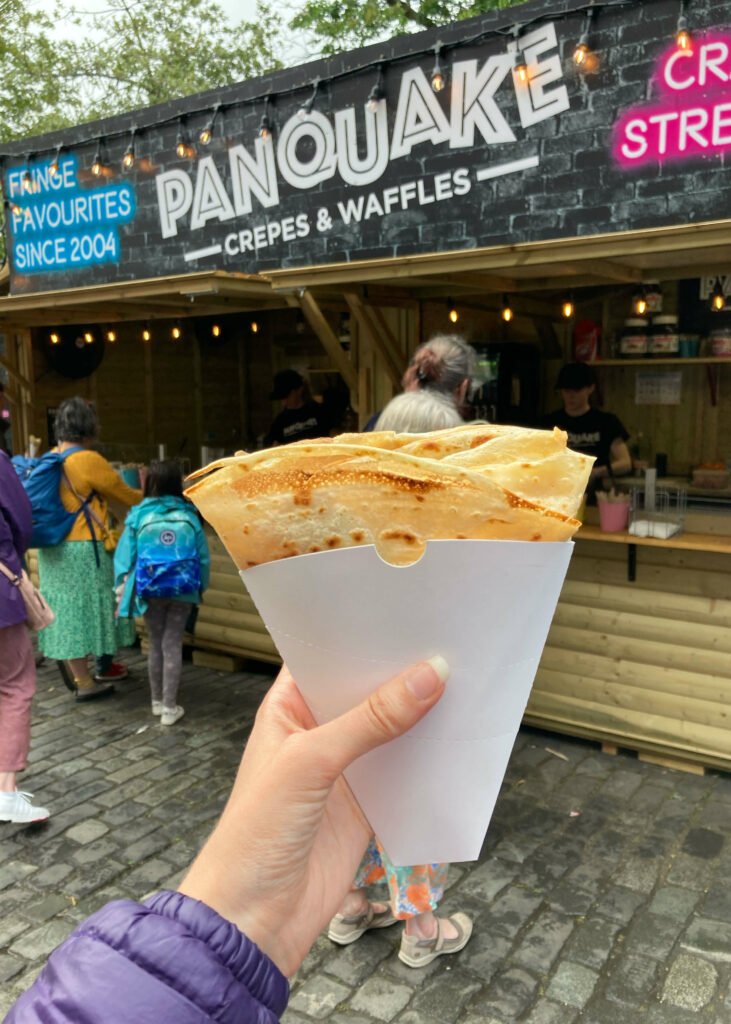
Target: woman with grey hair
point(77, 575)
point(416, 412)
point(445, 366)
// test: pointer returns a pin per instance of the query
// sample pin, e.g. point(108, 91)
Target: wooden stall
point(366, 219)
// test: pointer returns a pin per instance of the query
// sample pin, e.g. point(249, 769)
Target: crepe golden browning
point(395, 491)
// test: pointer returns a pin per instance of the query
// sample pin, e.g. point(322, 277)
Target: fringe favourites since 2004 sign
point(493, 158)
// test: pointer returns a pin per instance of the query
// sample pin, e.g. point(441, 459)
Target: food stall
point(484, 177)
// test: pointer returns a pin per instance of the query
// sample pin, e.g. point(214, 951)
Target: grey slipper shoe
point(345, 930)
point(420, 952)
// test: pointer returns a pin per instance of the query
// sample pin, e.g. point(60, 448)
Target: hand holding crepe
point(395, 491)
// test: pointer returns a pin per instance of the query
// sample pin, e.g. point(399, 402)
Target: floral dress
point(412, 890)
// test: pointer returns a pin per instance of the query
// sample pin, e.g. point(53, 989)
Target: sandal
point(420, 952)
point(345, 930)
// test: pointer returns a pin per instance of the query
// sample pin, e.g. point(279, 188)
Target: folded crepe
point(395, 491)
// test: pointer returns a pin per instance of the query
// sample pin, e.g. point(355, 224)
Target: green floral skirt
point(81, 594)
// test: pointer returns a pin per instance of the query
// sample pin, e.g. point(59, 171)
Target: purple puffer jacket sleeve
point(171, 959)
point(16, 527)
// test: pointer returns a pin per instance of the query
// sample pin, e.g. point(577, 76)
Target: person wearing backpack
point(76, 572)
point(161, 568)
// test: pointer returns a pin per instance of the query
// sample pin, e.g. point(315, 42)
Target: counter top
point(681, 541)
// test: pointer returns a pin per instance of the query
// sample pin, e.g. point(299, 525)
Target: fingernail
point(425, 679)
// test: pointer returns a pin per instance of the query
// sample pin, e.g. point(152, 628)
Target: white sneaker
point(157, 707)
point(170, 716)
point(16, 806)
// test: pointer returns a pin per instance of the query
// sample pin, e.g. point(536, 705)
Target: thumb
point(385, 714)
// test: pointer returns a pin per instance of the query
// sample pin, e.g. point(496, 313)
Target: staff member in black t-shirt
point(591, 431)
point(301, 418)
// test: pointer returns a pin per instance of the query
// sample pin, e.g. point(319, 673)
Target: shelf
point(707, 361)
point(683, 541)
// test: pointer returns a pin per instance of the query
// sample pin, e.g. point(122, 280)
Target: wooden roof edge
point(608, 246)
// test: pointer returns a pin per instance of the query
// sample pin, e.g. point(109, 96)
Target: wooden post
point(318, 322)
point(371, 321)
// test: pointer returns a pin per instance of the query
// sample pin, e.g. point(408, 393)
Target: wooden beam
point(306, 301)
point(380, 336)
point(621, 272)
point(14, 373)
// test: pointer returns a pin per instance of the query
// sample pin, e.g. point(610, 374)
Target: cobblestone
point(620, 913)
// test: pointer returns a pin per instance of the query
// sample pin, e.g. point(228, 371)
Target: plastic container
point(634, 340)
point(664, 340)
point(613, 515)
point(689, 345)
point(721, 342)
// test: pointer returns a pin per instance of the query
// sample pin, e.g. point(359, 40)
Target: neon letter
point(673, 83)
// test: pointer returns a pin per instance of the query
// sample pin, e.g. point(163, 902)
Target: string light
point(88, 338)
point(111, 336)
point(55, 165)
point(453, 314)
point(265, 125)
point(254, 327)
point(181, 143)
point(639, 302)
point(582, 47)
point(216, 331)
point(27, 180)
point(129, 154)
point(55, 339)
point(682, 35)
point(507, 313)
point(306, 108)
point(568, 307)
point(146, 334)
point(14, 208)
point(520, 67)
point(97, 164)
point(176, 332)
point(437, 75)
point(378, 92)
point(718, 299)
point(207, 133)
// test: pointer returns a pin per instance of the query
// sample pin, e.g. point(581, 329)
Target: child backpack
point(168, 564)
point(41, 478)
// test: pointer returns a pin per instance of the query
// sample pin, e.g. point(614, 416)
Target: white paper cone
point(345, 622)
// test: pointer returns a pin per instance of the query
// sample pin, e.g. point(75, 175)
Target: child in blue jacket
point(161, 568)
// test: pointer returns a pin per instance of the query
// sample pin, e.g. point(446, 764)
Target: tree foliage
point(337, 25)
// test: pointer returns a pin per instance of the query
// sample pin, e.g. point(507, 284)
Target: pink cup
point(613, 516)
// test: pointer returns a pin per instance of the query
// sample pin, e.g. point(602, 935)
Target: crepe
point(395, 491)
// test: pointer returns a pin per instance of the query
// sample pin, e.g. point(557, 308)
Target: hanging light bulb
point(254, 327)
point(453, 314)
point(306, 108)
point(27, 181)
point(98, 162)
point(507, 313)
point(206, 133)
point(129, 154)
point(14, 208)
point(582, 47)
point(55, 165)
point(718, 299)
point(520, 68)
point(378, 92)
point(682, 35)
point(216, 331)
point(175, 333)
point(568, 307)
point(639, 302)
point(146, 334)
point(438, 80)
point(55, 339)
point(88, 337)
point(111, 336)
point(265, 125)
point(181, 144)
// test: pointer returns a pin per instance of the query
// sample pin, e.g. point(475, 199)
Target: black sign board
point(362, 158)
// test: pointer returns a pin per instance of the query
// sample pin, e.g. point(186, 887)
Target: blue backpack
point(168, 564)
point(41, 478)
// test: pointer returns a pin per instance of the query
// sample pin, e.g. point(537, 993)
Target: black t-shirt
point(308, 422)
point(592, 433)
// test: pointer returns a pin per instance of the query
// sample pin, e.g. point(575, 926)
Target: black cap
point(285, 382)
point(574, 376)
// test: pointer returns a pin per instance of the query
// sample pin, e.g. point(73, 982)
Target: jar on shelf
point(664, 340)
point(653, 297)
point(721, 341)
point(633, 343)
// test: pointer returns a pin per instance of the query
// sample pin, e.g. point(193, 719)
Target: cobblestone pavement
point(601, 895)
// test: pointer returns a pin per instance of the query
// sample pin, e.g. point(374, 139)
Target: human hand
point(291, 836)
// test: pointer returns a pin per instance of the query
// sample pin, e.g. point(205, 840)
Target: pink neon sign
point(693, 113)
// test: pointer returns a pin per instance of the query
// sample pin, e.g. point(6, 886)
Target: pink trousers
point(17, 686)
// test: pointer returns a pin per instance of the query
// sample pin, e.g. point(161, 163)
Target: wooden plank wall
point(646, 665)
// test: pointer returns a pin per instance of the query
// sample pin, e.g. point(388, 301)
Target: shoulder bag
point(39, 611)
